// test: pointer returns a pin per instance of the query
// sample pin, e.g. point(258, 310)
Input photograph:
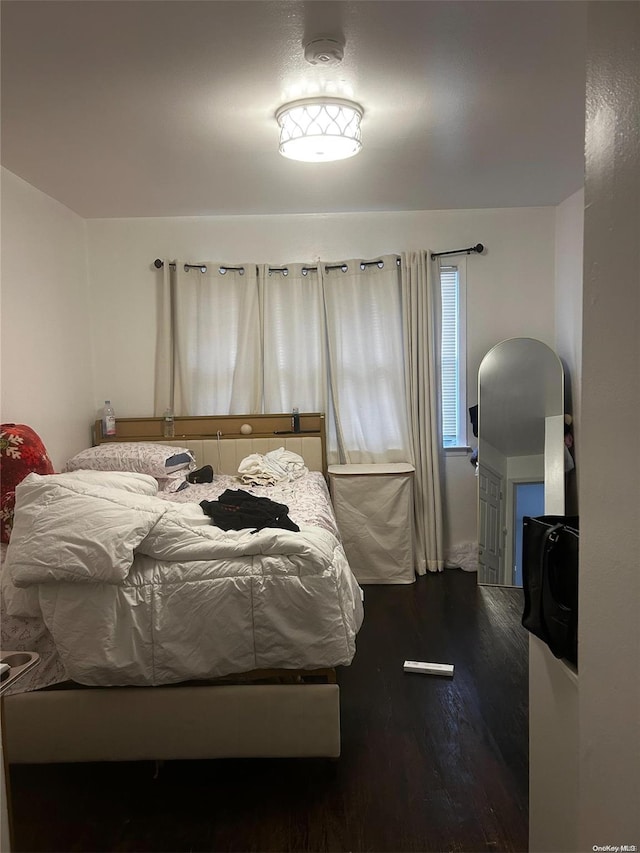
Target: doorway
point(528, 499)
point(490, 526)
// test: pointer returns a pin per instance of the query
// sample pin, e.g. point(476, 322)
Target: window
point(453, 354)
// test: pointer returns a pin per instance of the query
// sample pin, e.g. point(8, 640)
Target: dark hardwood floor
point(428, 763)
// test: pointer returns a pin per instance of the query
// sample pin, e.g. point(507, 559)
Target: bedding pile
point(138, 587)
point(277, 466)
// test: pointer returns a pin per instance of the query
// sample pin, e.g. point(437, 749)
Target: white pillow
point(142, 457)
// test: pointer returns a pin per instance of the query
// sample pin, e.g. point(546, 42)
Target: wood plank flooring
point(428, 763)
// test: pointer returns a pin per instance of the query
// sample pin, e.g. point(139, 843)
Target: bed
point(287, 705)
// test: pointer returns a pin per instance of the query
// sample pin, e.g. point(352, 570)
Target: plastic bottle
point(168, 426)
point(295, 420)
point(108, 419)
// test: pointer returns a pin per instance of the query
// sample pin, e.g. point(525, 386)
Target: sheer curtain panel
point(215, 330)
point(294, 339)
point(364, 334)
point(421, 335)
point(163, 392)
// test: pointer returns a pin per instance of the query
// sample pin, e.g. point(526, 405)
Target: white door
point(489, 526)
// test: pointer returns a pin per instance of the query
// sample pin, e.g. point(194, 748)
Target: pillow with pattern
point(21, 452)
point(142, 457)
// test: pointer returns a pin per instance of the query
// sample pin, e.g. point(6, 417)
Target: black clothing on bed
point(236, 509)
point(202, 475)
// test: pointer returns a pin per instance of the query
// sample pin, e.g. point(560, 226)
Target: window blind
point(450, 354)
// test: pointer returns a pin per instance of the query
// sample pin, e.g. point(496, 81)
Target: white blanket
point(136, 590)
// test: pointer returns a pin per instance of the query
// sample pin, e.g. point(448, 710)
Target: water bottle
point(168, 426)
point(295, 420)
point(108, 419)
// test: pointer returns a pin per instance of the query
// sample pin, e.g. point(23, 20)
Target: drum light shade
point(318, 130)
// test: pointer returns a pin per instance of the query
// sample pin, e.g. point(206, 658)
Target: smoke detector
point(324, 50)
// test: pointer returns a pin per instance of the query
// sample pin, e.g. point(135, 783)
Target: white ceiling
point(166, 107)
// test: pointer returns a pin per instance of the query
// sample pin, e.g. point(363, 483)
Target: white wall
point(585, 729)
point(554, 737)
point(553, 687)
point(609, 639)
point(509, 289)
point(46, 353)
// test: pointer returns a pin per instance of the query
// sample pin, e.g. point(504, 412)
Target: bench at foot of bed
point(249, 720)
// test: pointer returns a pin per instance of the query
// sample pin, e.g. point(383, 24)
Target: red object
point(21, 452)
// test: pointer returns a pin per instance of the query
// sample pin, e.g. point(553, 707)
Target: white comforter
point(137, 590)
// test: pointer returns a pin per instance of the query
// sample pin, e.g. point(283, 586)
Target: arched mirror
point(520, 451)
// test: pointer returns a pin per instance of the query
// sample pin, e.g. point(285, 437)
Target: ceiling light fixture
point(318, 130)
point(321, 129)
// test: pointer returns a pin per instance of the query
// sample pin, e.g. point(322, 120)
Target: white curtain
point(163, 392)
point(364, 334)
point(213, 357)
point(421, 335)
point(294, 340)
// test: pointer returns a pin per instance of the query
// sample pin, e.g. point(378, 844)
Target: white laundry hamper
point(374, 509)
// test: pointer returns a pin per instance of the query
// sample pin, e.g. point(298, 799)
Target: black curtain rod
point(159, 263)
point(479, 248)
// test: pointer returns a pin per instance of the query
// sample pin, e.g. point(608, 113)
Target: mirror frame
point(522, 383)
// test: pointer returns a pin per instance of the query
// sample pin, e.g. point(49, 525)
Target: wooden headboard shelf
point(208, 426)
point(212, 427)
